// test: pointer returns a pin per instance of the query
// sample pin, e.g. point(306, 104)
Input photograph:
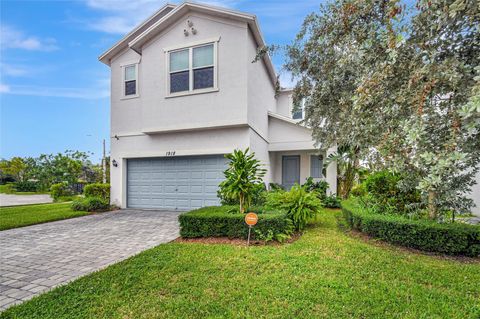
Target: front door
point(290, 171)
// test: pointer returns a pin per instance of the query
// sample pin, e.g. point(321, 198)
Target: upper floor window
point(192, 69)
point(130, 79)
point(298, 110)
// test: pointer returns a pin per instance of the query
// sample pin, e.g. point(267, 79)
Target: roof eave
point(122, 44)
point(137, 43)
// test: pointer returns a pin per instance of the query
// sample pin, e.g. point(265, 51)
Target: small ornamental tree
point(242, 178)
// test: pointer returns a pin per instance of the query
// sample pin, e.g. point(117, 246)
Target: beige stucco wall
point(125, 114)
point(219, 141)
point(259, 146)
point(239, 109)
point(284, 104)
point(285, 136)
point(261, 91)
point(224, 107)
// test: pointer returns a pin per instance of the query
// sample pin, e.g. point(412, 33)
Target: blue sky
point(54, 93)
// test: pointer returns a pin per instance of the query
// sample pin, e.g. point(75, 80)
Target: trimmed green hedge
point(224, 221)
point(451, 239)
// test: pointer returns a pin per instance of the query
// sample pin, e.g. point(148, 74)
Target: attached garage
point(174, 183)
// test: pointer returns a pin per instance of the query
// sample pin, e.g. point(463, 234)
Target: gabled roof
point(169, 14)
point(123, 43)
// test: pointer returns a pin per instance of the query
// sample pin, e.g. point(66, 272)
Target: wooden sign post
point(251, 219)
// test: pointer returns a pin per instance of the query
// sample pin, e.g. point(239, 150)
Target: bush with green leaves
point(91, 204)
point(259, 196)
point(332, 201)
point(8, 188)
point(26, 186)
point(98, 190)
point(320, 188)
point(298, 204)
point(427, 235)
point(275, 187)
point(387, 193)
point(226, 221)
point(242, 178)
point(359, 190)
point(60, 190)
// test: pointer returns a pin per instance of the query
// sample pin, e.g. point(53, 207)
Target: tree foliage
point(48, 169)
point(404, 82)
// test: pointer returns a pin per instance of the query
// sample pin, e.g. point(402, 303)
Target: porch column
point(331, 174)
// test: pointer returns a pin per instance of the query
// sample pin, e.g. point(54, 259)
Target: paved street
point(37, 258)
point(14, 200)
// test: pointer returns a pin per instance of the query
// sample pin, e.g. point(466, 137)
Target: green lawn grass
point(325, 274)
point(24, 215)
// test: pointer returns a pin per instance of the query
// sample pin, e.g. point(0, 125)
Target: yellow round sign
point(251, 219)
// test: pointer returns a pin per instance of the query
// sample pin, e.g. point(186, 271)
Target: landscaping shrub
point(387, 194)
point(451, 239)
point(226, 221)
point(332, 201)
point(299, 205)
point(259, 196)
point(26, 186)
point(8, 188)
point(91, 204)
point(60, 190)
point(359, 190)
point(275, 187)
point(98, 190)
point(320, 187)
point(242, 178)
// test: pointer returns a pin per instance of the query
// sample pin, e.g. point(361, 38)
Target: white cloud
point(120, 19)
point(123, 5)
point(12, 38)
point(112, 25)
point(4, 88)
point(13, 70)
point(99, 92)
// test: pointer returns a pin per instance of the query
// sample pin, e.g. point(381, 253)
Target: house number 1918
point(170, 153)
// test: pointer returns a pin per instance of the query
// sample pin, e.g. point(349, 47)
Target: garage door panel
point(178, 183)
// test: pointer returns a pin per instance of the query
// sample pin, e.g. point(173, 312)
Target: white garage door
point(176, 183)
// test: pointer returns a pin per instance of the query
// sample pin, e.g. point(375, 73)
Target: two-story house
point(184, 92)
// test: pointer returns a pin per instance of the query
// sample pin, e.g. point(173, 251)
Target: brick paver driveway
point(36, 258)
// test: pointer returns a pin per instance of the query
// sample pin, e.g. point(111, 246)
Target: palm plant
point(348, 166)
point(242, 177)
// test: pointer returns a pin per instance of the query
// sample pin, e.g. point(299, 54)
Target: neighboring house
point(184, 92)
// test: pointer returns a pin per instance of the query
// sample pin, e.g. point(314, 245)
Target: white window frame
point(131, 96)
point(190, 48)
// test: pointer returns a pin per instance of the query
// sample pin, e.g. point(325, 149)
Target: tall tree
point(15, 167)
point(404, 84)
